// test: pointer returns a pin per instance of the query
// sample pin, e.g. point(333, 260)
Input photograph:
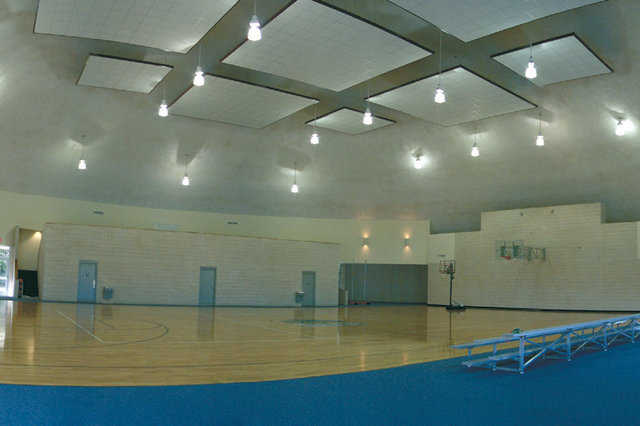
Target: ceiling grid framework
point(171, 25)
point(122, 74)
point(471, 19)
point(348, 121)
point(319, 45)
point(469, 98)
point(562, 59)
point(235, 102)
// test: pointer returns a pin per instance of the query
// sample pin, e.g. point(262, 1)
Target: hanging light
point(185, 180)
point(294, 187)
point(539, 138)
point(475, 150)
point(315, 139)
point(418, 161)
point(198, 77)
point(254, 33)
point(531, 71)
point(367, 118)
point(440, 97)
point(620, 128)
point(82, 165)
point(163, 110)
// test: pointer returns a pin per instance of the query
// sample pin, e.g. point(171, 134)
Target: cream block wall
point(589, 265)
point(162, 267)
point(387, 236)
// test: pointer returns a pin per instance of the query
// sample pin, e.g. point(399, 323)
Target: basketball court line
point(82, 328)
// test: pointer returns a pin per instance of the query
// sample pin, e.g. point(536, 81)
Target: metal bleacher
point(561, 342)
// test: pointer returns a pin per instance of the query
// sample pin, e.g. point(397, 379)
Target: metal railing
point(561, 342)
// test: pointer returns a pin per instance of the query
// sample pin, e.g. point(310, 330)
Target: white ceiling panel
point(319, 45)
point(122, 74)
point(234, 102)
point(169, 25)
point(346, 120)
point(469, 98)
point(472, 19)
point(556, 60)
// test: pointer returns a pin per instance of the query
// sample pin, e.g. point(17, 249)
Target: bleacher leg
point(521, 355)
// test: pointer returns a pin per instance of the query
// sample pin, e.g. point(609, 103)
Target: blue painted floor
point(594, 389)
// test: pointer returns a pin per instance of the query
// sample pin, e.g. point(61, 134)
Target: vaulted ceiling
point(242, 133)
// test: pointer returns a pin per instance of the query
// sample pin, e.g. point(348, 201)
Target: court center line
point(82, 328)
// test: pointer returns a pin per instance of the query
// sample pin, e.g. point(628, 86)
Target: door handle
point(94, 283)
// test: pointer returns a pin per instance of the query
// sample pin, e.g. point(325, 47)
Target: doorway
point(207, 293)
point(87, 281)
point(309, 288)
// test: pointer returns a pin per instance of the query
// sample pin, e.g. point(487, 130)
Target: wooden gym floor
point(102, 345)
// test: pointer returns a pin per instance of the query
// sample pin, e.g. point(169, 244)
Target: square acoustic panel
point(349, 121)
point(319, 45)
point(557, 60)
point(472, 19)
point(122, 74)
point(243, 104)
point(469, 98)
point(173, 25)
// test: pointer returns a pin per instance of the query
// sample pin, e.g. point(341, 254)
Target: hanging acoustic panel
point(469, 98)
point(169, 25)
point(472, 19)
point(235, 102)
point(122, 74)
point(349, 121)
point(319, 45)
point(562, 59)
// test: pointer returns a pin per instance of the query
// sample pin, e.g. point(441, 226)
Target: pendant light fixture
point(531, 71)
point(367, 117)
point(294, 187)
point(315, 138)
point(163, 110)
point(418, 161)
point(186, 181)
point(475, 149)
point(254, 33)
point(620, 128)
point(82, 164)
point(198, 76)
point(540, 138)
point(440, 97)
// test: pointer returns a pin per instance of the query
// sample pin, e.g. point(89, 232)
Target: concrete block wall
point(590, 264)
point(161, 267)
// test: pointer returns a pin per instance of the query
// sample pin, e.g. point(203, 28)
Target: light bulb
point(163, 111)
point(198, 77)
point(540, 140)
point(620, 128)
point(418, 162)
point(294, 188)
point(367, 118)
point(82, 165)
point(185, 180)
point(440, 96)
point(254, 33)
point(475, 151)
point(315, 139)
point(531, 71)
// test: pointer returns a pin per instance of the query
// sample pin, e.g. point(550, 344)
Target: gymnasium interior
point(319, 212)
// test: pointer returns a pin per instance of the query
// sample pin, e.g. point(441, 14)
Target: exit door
point(309, 288)
point(87, 281)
